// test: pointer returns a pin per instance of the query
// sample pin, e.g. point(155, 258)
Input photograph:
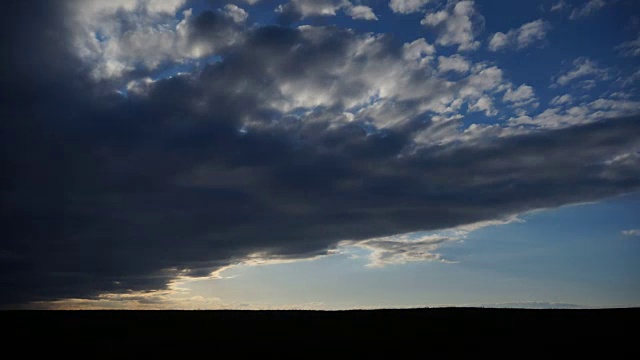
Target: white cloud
point(521, 37)
point(483, 79)
point(456, 25)
point(361, 12)
point(407, 6)
point(587, 9)
point(581, 67)
point(498, 41)
point(630, 48)
point(562, 99)
point(455, 63)
point(561, 5)
point(484, 103)
point(417, 49)
point(632, 232)
point(306, 8)
point(401, 249)
point(583, 113)
point(236, 13)
point(103, 35)
point(523, 95)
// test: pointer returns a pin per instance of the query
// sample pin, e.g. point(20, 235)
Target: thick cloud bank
point(291, 141)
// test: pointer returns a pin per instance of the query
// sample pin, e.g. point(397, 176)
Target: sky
point(326, 154)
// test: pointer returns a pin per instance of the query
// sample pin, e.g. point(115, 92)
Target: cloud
point(236, 13)
point(630, 48)
point(296, 10)
point(524, 36)
point(127, 36)
point(562, 99)
point(484, 103)
point(583, 113)
point(587, 9)
point(534, 305)
point(361, 12)
point(559, 6)
point(407, 6)
point(402, 249)
point(293, 141)
point(581, 67)
point(455, 63)
point(418, 49)
point(632, 232)
point(521, 96)
point(456, 25)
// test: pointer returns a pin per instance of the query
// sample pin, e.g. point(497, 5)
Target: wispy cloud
point(587, 9)
point(522, 37)
point(631, 232)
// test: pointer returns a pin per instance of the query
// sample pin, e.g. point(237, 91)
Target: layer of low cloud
point(293, 141)
point(631, 232)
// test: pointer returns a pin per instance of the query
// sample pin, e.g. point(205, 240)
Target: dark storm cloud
point(102, 193)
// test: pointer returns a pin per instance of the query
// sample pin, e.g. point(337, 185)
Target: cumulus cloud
point(126, 36)
point(457, 24)
point(407, 6)
point(294, 141)
point(454, 63)
point(361, 12)
point(236, 13)
point(296, 10)
point(524, 36)
point(418, 49)
point(587, 9)
point(520, 96)
point(582, 67)
point(632, 232)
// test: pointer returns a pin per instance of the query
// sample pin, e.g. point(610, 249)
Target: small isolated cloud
point(407, 6)
point(521, 96)
point(629, 48)
point(234, 12)
point(455, 63)
point(561, 99)
point(361, 12)
point(417, 49)
point(632, 232)
point(402, 249)
point(582, 67)
point(456, 25)
point(561, 5)
point(484, 104)
point(587, 9)
point(296, 10)
point(522, 37)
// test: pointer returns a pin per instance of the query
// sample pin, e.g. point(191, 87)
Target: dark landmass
point(413, 329)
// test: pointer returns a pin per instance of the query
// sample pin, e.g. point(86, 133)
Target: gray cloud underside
point(102, 193)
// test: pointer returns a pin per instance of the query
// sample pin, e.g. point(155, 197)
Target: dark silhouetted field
point(414, 329)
